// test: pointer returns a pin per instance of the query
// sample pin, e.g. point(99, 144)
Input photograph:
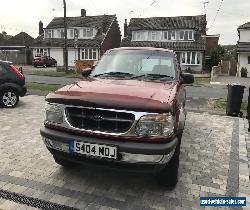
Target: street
point(216, 91)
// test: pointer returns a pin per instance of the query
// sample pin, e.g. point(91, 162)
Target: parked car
point(128, 112)
point(12, 85)
point(44, 61)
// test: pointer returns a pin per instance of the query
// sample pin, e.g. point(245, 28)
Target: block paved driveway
point(210, 165)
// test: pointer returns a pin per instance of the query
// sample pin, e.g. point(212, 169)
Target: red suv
point(44, 61)
point(128, 112)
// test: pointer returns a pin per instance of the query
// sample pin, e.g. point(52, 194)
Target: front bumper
point(23, 91)
point(140, 156)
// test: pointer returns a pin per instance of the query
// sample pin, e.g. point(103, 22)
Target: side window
point(2, 70)
point(248, 59)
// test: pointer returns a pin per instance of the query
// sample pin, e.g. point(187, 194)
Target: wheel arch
point(12, 86)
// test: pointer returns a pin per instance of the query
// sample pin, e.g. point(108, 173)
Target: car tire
point(9, 98)
point(64, 163)
point(168, 177)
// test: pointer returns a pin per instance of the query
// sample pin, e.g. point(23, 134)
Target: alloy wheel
point(9, 99)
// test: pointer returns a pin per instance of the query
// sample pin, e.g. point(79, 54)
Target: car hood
point(118, 94)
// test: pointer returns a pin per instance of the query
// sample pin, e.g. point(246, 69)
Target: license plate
point(96, 150)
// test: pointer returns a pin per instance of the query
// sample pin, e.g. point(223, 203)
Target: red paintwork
point(118, 94)
point(123, 94)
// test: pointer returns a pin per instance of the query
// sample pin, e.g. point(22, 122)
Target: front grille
point(99, 120)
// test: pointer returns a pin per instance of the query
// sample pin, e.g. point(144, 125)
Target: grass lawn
point(32, 86)
point(52, 73)
point(202, 81)
point(222, 103)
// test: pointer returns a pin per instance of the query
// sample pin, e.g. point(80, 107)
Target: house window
point(60, 33)
point(41, 52)
point(248, 59)
point(71, 33)
point(190, 35)
point(191, 58)
point(173, 35)
point(153, 36)
point(165, 35)
point(89, 54)
point(49, 33)
point(89, 32)
point(198, 58)
point(76, 33)
point(182, 35)
point(137, 36)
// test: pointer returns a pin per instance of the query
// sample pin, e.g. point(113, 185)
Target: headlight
point(155, 125)
point(54, 113)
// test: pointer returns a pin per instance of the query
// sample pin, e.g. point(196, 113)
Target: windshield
point(136, 63)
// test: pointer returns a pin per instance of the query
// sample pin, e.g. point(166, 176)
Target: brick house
point(243, 48)
point(88, 38)
point(16, 48)
point(186, 35)
point(211, 43)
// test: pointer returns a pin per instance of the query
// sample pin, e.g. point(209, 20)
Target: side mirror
point(86, 72)
point(187, 78)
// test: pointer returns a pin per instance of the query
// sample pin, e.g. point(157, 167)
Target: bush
point(243, 72)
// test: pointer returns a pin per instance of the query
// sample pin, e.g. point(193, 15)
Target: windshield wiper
point(114, 74)
point(153, 76)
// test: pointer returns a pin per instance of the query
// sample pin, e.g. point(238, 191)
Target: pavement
point(214, 161)
point(225, 80)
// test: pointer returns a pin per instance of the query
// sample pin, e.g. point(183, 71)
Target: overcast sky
point(24, 15)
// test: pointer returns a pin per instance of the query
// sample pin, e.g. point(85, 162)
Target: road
point(217, 91)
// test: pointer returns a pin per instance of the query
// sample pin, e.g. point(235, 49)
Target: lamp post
point(65, 38)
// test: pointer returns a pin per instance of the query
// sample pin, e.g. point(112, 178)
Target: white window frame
point(163, 35)
point(192, 35)
point(89, 52)
point(60, 33)
point(170, 35)
point(173, 35)
point(184, 55)
point(182, 31)
point(137, 35)
point(91, 31)
point(49, 33)
point(41, 52)
point(153, 36)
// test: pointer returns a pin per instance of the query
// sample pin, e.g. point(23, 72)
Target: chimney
point(40, 28)
point(125, 28)
point(83, 12)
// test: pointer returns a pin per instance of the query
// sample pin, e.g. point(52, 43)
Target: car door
point(4, 76)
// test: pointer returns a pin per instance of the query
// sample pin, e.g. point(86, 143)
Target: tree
point(217, 55)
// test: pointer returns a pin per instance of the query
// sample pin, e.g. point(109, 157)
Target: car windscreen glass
point(2, 69)
point(136, 62)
